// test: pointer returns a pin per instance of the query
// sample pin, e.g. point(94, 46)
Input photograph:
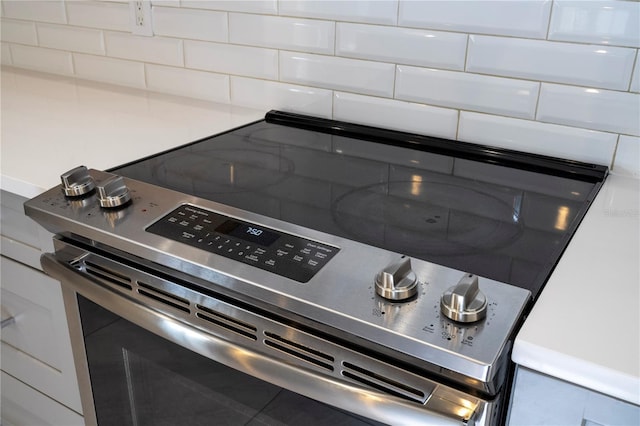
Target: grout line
point(636, 65)
point(550, 18)
point(466, 53)
point(535, 112)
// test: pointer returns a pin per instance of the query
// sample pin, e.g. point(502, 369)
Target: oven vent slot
point(163, 296)
point(227, 322)
point(297, 350)
point(107, 275)
point(382, 383)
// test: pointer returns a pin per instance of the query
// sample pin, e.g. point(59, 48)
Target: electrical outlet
point(141, 17)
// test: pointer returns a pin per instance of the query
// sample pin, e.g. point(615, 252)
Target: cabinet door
point(540, 400)
point(22, 405)
point(36, 348)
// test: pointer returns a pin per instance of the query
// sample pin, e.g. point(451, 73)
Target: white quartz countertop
point(585, 327)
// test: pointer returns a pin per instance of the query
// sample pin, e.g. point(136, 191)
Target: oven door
point(139, 366)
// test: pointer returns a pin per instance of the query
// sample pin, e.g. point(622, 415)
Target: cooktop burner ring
point(428, 217)
point(225, 171)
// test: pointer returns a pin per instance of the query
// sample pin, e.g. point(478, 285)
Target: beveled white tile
point(329, 72)
point(41, 59)
point(232, 59)
point(104, 15)
point(109, 70)
point(168, 3)
point(590, 108)
point(41, 11)
point(596, 66)
point(627, 161)
point(510, 17)
point(166, 51)
point(397, 115)
point(402, 45)
point(190, 83)
point(18, 32)
point(190, 23)
point(539, 138)
point(5, 54)
point(308, 35)
point(375, 12)
point(460, 90)
point(607, 22)
point(255, 6)
point(266, 95)
point(76, 39)
point(635, 78)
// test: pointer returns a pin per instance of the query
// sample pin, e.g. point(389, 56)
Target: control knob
point(464, 302)
point(113, 192)
point(77, 182)
point(397, 281)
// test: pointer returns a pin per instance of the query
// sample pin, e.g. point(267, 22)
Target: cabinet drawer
point(36, 348)
point(22, 405)
point(22, 238)
point(15, 224)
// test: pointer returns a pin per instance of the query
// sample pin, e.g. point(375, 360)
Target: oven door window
point(139, 378)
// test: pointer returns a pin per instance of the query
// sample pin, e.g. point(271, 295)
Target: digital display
point(249, 233)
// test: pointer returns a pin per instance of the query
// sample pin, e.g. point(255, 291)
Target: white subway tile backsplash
point(476, 70)
point(402, 45)
point(590, 108)
point(597, 66)
point(375, 12)
point(635, 78)
point(232, 59)
point(109, 70)
point(509, 17)
point(190, 23)
point(606, 22)
point(627, 159)
point(539, 138)
point(184, 82)
point(373, 78)
point(460, 90)
point(166, 51)
point(5, 54)
point(104, 15)
point(248, 6)
point(267, 95)
point(22, 32)
point(308, 35)
point(40, 11)
point(398, 115)
point(76, 39)
point(38, 58)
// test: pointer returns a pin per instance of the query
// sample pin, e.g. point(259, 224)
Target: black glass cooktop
point(496, 213)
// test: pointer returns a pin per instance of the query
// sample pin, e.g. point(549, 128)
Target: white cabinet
point(39, 384)
point(539, 400)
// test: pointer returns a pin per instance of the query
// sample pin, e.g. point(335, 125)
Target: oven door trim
point(353, 398)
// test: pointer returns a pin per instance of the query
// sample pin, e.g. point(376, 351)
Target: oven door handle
point(352, 398)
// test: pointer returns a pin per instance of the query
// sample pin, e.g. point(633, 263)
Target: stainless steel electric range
point(300, 270)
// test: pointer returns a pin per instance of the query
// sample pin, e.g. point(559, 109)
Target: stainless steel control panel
point(342, 290)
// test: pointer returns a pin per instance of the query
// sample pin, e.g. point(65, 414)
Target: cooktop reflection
point(504, 223)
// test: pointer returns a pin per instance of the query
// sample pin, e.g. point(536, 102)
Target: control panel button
point(113, 192)
point(77, 182)
point(464, 302)
point(397, 281)
point(284, 254)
